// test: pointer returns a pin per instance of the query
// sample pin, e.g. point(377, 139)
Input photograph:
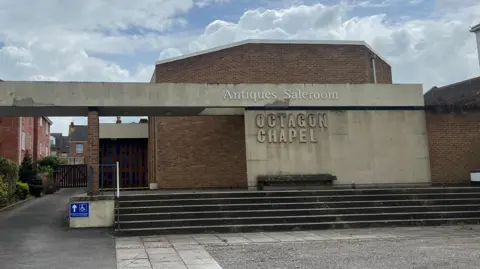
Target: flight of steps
point(250, 211)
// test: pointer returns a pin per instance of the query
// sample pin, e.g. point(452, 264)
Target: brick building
point(209, 150)
point(226, 116)
point(24, 134)
point(453, 123)
point(77, 144)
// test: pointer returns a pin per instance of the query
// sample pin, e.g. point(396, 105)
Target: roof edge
point(456, 83)
point(475, 28)
point(48, 120)
point(273, 41)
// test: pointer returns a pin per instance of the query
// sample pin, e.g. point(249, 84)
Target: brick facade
point(43, 138)
point(209, 151)
point(11, 137)
point(454, 144)
point(201, 151)
point(93, 148)
point(82, 156)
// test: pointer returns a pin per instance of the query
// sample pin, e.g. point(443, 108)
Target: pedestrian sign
point(79, 210)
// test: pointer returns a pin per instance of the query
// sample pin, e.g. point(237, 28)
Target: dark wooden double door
point(132, 156)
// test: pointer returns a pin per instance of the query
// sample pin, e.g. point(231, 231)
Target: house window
point(23, 141)
point(41, 122)
point(46, 129)
point(41, 149)
point(79, 148)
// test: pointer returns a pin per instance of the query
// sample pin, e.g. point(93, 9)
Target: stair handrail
point(117, 195)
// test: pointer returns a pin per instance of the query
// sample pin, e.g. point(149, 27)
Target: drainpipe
point(373, 57)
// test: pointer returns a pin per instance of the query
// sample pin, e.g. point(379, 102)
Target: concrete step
point(293, 212)
point(125, 208)
point(378, 217)
point(294, 199)
point(292, 226)
point(126, 196)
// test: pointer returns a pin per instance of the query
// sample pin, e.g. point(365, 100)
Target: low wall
point(357, 146)
point(101, 212)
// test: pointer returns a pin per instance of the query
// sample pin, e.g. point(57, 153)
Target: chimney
point(118, 120)
point(71, 128)
point(476, 30)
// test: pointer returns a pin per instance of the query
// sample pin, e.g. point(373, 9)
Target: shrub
point(27, 173)
point(36, 186)
point(9, 173)
point(22, 190)
point(3, 192)
point(49, 161)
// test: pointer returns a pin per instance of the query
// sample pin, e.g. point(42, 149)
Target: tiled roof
point(462, 94)
point(80, 133)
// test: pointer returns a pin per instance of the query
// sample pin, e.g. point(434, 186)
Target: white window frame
point(41, 122)
point(23, 138)
point(46, 128)
point(77, 148)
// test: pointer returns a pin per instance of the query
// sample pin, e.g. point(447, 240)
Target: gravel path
point(462, 252)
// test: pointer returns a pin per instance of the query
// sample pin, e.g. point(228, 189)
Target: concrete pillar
point(151, 152)
point(93, 148)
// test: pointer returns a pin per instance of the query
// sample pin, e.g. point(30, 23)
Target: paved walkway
point(278, 249)
point(37, 236)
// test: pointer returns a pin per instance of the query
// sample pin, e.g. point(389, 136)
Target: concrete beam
point(26, 98)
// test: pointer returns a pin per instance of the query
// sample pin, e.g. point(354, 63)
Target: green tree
point(27, 173)
point(49, 161)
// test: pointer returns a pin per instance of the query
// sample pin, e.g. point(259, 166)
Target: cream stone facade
point(357, 146)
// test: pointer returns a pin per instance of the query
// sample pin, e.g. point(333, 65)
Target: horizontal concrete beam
point(22, 98)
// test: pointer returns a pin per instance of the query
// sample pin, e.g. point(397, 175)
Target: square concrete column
point(93, 149)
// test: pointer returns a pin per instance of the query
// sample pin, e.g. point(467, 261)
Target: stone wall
point(361, 147)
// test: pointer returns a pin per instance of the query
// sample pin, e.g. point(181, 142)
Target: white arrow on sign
point(74, 208)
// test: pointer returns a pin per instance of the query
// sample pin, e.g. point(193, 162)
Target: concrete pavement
point(36, 235)
point(449, 247)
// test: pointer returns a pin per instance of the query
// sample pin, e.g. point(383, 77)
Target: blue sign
point(79, 210)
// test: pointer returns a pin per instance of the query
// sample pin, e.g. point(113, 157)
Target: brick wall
point(9, 138)
point(201, 151)
point(209, 151)
point(27, 128)
point(72, 150)
point(93, 148)
point(277, 63)
point(454, 144)
point(43, 138)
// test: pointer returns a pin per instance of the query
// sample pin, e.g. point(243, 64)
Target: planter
point(36, 190)
point(154, 186)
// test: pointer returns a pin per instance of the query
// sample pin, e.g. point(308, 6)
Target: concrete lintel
point(25, 98)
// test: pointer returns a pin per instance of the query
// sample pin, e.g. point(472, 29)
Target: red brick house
point(24, 134)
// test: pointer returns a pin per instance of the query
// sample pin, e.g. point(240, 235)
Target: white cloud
point(430, 51)
point(56, 40)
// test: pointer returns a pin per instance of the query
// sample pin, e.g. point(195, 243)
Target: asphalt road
point(36, 235)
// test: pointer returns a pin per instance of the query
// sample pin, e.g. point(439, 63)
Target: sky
point(425, 41)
